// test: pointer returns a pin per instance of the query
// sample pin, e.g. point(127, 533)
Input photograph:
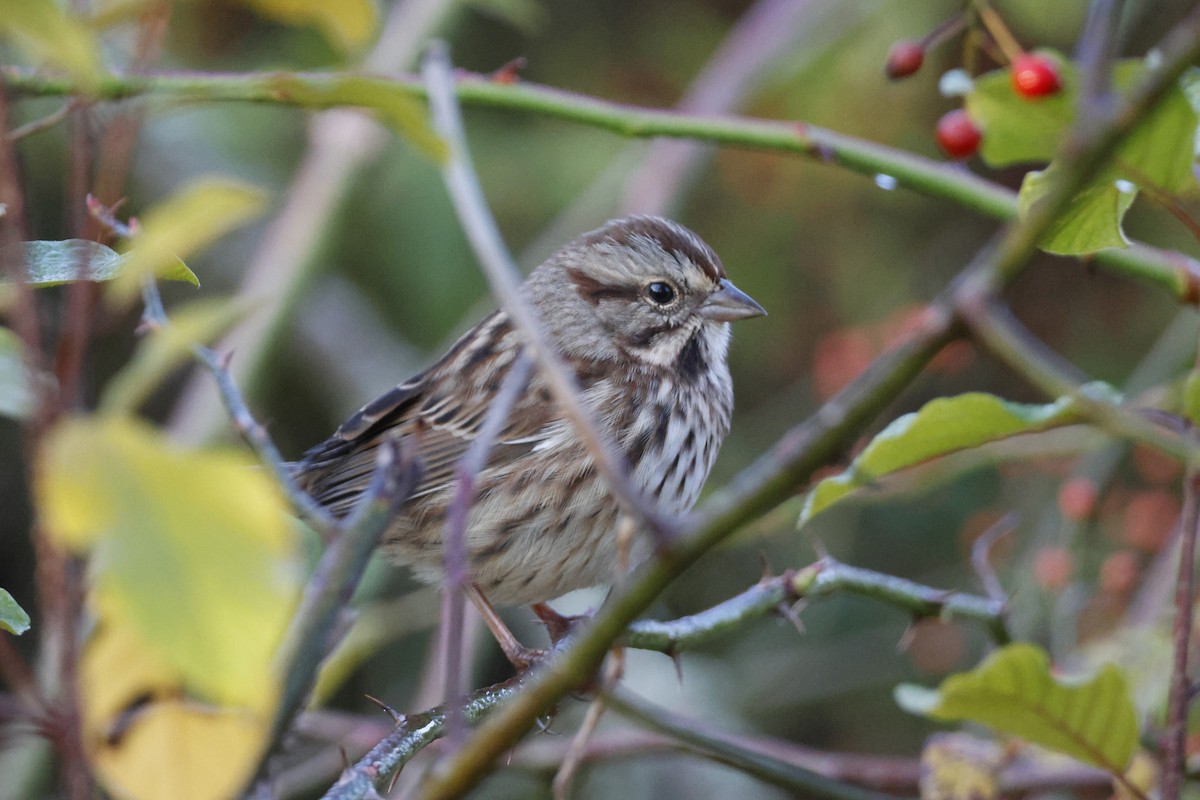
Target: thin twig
point(455, 555)
point(981, 556)
point(260, 441)
point(505, 281)
point(413, 734)
point(42, 123)
point(726, 749)
point(574, 757)
point(1179, 694)
point(1095, 53)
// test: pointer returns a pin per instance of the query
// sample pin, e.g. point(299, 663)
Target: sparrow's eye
point(660, 293)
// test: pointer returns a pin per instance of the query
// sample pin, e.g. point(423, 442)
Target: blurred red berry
point(904, 59)
point(1154, 466)
point(1053, 568)
point(1120, 572)
point(1077, 499)
point(1149, 519)
point(958, 135)
point(1035, 76)
point(838, 358)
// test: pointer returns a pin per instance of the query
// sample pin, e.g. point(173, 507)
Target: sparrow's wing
point(440, 412)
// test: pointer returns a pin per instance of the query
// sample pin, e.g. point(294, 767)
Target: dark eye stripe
point(594, 291)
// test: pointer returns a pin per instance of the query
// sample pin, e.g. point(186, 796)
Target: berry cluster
point(1034, 76)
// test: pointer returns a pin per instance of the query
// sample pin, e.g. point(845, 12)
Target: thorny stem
point(1170, 271)
point(260, 441)
point(821, 579)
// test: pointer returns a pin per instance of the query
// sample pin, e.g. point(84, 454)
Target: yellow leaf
point(347, 24)
point(185, 223)
point(192, 546)
point(45, 32)
point(73, 489)
point(165, 349)
point(181, 750)
point(145, 739)
point(117, 670)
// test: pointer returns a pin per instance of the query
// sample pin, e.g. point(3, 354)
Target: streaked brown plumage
point(639, 311)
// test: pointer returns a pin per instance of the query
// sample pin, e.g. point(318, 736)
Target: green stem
point(822, 579)
point(1171, 272)
point(828, 576)
point(725, 749)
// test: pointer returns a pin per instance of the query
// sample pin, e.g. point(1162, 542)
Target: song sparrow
point(638, 310)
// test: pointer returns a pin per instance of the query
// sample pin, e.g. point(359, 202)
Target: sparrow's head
point(641, 287)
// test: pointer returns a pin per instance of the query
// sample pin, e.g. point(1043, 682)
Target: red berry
point(958, 135)
point(1053, 568)
point(904, 59)
point(1120, 572)
point(1077, 499)
point(1035, 76)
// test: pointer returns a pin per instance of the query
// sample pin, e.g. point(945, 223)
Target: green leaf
point(192, 546)
point(165, 349)
point(1160, 151)
point(943, 426)
point(393, 105)
point(348, 24)
point(51, 263)
point(185, 223)
point(1091, 220)
point(12, 617)
point(1017, 130)
point(1157, 156)
point(16, 388)
point(1014, 692)
point(45, 32)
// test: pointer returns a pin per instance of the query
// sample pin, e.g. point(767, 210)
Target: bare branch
point(455, 556)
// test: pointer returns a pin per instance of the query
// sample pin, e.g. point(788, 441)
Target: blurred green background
point(840, 263)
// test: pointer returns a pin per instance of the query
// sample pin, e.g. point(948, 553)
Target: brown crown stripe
point(672, 238)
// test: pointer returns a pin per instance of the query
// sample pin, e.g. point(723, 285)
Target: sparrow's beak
point(729, 303)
